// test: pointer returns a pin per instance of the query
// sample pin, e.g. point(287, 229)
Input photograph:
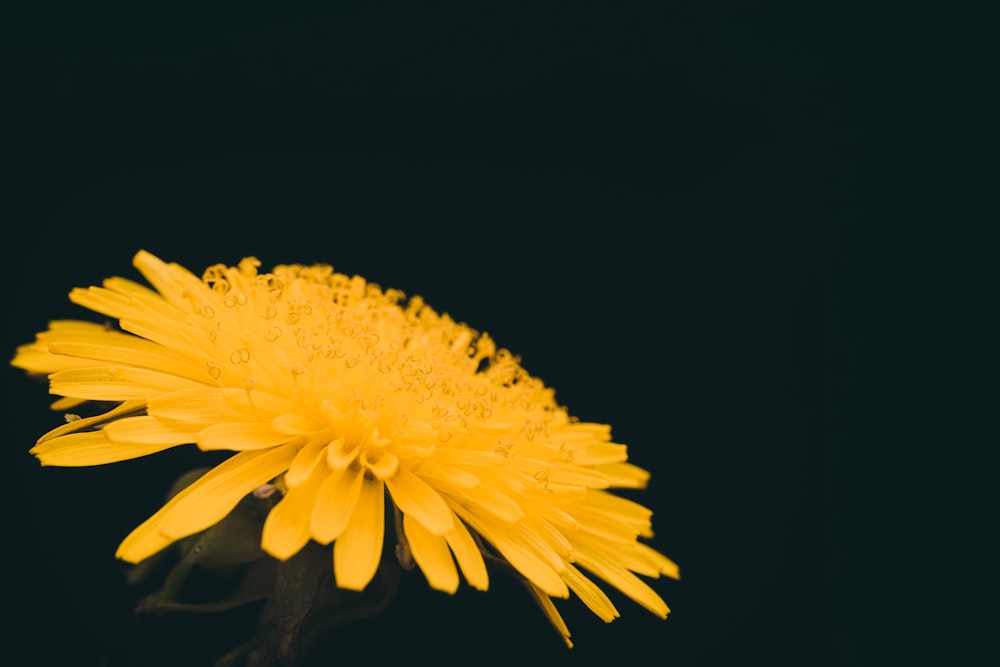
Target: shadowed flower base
point(301, 605)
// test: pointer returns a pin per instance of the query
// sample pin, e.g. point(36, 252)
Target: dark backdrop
point(659, 207)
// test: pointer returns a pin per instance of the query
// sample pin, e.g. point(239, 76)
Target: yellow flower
point(342, 394)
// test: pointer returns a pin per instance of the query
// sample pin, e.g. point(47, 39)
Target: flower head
point(345, 396)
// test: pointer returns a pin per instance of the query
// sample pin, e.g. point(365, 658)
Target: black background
point(675, 213)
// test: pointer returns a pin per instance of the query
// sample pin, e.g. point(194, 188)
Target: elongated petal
point(550, 611)
point(624, 475)
point(632, 555)
point(660, 562)
point(74, 328)
point(595, 453)
point(286, 529)
point(115, 383)
point(627, 510)
point(432, 555)
point(169, 279)
point(590, 594)
point(492, 501)
point(88, 422)
point(415, 497)
point(578, 476)
point(468, 555)
point(150, 430)
point(308, 459)
point(356, 553)
point(64, 403)
point(91, 448)
point(127, 287)
point(196, 405)
point(36, 358)
point(555, 541)
point(132, 351)
point(623, 580)
point(100, 300)
point(335, 502)
point(205, 501)
point(522, 557)
point(241, 436)
point(454, 477)
point(606, 526)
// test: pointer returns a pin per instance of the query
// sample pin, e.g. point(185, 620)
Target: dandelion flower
point(347, 397)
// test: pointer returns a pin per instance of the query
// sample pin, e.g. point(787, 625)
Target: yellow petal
point(493, 501)
point(63, 404)
point(88, 422)
point(555, 618)
point(262, 404)
point(91, 448)
point(305, 462)
point(595, 453)
point(590, 594)
point(75, 328)
point(382, 466)
point(577, 476)
point(612, 515)
point(241, 436)
point(632, 555)
point(339, 455)
point(468, 555)
point(623, 508)
point(454, 477)
point(335, 502)
point(127, 287)
point(523, 558)
point(432, 555)
point(100, 300)
point(213, 495)
point(36, 358)
point(205, 501)
point(131, 351)
point(603, 525)
point(543, 508)
point(141, 544)
point(291, 422)
point(553, 538)
point(659, 561)
point(624, 475)
point(356, 553)
point(415, 497)
point(539, 544)
point(623, 580)
point(167, 336)
point(197, 405)
point(115, 383)
point(286, 529)
point(150, 430)
point(169, 279)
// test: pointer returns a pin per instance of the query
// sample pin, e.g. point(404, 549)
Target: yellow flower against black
point(344, 397)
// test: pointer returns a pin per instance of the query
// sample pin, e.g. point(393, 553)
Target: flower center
point(360, 444)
